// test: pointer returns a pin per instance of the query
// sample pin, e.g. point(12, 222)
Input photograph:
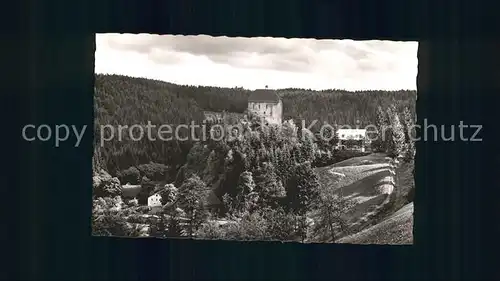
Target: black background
point(48, 55)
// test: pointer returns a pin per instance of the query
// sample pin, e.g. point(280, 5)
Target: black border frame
point(50, 80)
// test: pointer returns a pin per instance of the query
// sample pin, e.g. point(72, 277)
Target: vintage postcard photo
point(269, 139)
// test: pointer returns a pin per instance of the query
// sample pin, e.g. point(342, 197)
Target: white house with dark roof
point(154, 200)
point(352, 138)
point(266, 103)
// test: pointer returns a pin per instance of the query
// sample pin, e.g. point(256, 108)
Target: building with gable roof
point(266, 103)
point(355, 139)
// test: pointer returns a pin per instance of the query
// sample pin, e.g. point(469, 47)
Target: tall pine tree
point(268, 185)
point(302, 188)
point(379, 140)
point(396, 138)
point(245, 186)
point(410, 134)
point(192, 196)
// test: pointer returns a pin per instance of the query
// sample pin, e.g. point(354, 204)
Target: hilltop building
point(354, 139)
point(267, 104)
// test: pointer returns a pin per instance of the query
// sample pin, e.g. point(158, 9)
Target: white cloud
point(255, 62)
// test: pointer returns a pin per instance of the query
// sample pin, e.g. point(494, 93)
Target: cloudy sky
point(255, 62)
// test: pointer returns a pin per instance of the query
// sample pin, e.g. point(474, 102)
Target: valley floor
point(376, 187)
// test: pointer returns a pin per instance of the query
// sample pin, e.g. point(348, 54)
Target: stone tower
point(266, 103)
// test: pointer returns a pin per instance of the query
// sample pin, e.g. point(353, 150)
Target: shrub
point(281, 225)
point(145, 180)
point(211, 230)
point(142, 209)
point(109, 224)
point(130, 175)
point(105, 186)
point(158, 227)
point(138, 219)
point(330, 221)
point(108, 218)
point(132, 202)
point(174, 227)
point(252, 226)
point(154, 171)
point(169, 194)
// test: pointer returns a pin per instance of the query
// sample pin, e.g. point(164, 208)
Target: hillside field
point(370, 183)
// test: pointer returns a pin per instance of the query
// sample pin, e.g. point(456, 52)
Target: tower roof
point(264, 95)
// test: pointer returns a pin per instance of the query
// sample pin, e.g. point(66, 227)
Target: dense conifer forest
point(122, 100)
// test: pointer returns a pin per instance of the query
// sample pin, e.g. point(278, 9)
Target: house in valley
point(266, 103)
point(154, 200)
point(154, 203)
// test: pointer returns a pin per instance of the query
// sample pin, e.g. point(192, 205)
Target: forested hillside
point(342, 107)
point(122, 100)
